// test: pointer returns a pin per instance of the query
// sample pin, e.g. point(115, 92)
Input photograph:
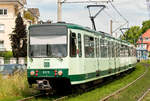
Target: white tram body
point(74, 54)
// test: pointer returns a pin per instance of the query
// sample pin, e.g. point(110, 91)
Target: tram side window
point(97, 47)
point(89, 46)
point(117, 50)
point(73, 45)
point(126, 51)
point(122, 51)
point(134, 52)
point(79, 45)
point(129, 51)
point(109, 49)
point(105, 48)
point(101, 47)
point(113, 49)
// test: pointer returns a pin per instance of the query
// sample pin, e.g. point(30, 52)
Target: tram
point(64, 54)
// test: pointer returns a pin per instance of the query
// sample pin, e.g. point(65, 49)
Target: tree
point(145, 26)
point(19, 38)
point(132, 35)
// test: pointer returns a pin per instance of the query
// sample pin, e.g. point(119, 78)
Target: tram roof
point(75, 26)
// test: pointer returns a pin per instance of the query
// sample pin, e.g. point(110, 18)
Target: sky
point(135, 11)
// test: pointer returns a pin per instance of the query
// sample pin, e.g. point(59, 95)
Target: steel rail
point(61, 98)
point(31, 97)
point(123, 88)
point(142, 97)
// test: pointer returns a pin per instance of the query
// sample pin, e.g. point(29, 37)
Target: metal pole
point(59, 11)
point(111, 22)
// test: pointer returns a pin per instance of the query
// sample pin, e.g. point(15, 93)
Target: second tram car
point(64, 54)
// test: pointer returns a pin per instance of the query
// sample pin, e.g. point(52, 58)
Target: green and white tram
point(63, 54)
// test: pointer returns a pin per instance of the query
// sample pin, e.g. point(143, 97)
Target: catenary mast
point(148, 7)
point(60, 2)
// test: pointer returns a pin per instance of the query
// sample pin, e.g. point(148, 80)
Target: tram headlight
point(60, 73)
point(32, 73)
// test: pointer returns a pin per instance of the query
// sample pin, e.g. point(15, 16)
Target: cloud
point(40, 2)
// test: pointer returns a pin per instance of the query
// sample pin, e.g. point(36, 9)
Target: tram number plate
point(46, 72)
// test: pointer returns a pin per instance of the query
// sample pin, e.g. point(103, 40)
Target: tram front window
point(48, 41)
point(49, 50)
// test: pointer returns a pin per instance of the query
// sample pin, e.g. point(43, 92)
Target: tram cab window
point(89, 46)
point(48, 41)
point(79, 45)
point(73, 44)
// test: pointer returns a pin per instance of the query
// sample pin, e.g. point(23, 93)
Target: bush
point(7, 55)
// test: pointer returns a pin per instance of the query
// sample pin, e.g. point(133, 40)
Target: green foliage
point(7, 55)
point(19, 38)
point(145, 26)
point(132, 34)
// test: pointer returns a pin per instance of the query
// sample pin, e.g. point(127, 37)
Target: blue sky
point(133, 10)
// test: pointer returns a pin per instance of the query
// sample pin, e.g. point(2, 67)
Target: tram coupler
point(44, 85)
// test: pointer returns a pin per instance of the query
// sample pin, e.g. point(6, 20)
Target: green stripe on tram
point(79, 77)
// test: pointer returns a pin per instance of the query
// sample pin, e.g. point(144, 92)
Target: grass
point(134, 92)
point(14, 88)
point(99, 93)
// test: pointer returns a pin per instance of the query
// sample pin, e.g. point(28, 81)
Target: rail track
point(39, 95)
point(31, 97)
point(61, 98)
point(142, 97)
point(125, 87)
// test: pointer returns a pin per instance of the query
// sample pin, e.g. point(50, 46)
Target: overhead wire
point(111, 16)
point(126, 21)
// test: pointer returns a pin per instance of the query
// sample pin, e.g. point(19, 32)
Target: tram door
point(110, 52)
point(112, 56)
point(104, 60)
point(72, 53)
point(76, 63)
point(115, 56)
point(90, 62)
point(80, 61)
